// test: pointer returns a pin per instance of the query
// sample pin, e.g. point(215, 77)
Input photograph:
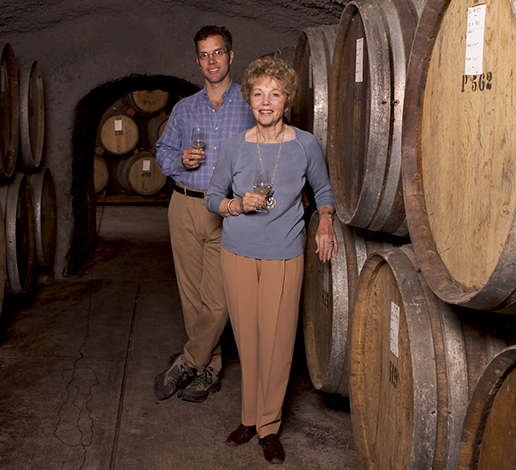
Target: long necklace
point(270, 201)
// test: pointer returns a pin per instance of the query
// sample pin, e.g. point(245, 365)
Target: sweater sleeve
point(220, 182)
point(317, 173)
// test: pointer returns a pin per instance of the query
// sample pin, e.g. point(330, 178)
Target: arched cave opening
point(88, 114)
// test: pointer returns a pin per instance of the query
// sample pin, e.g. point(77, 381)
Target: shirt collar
point(224, 95)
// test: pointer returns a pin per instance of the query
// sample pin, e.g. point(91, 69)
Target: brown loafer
point(241, 435)
point(272, 449)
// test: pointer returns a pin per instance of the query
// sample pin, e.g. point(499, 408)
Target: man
point(220, 111)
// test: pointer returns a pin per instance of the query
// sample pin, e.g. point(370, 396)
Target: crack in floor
point(75, 425)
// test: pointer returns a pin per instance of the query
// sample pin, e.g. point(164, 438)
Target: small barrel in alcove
point(155, 128)
point(9, 111)
point(328, 294)
point(140, 174)
point(489, 432)
point(148, 102)
point(45, 216)
point(118, 133)
point(100, 174)
point(414, 363)
point(365, 115)
point(18, 211)
point(459, 145)
point(312, 63)
point(32, 116)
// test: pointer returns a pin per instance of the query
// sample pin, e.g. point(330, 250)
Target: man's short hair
point(212, 30)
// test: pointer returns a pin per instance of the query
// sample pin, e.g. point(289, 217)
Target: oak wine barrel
point(149, 101)
point(489, 434)
point(140, 174)
point(367, 85)
point(119, 134)
point(18, 211)
point(9, 111)
point(328, 295)
point(155, 128)
point(414, 362)
point(312, 63)
point(459, 143)
point(45, 216)
point(32, 116)
point(100, 174)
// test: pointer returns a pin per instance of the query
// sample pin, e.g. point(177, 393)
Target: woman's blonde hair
point(270, 67)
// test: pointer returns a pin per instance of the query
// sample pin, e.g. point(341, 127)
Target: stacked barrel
point(421, 142)
point(27, 191)
point(125, 162)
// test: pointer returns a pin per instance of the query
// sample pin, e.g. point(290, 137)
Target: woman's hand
point(253, 201)
point(325, 237)
point(249, 203)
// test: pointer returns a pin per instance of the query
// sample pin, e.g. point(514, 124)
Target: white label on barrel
point(359, 61)
point(118, 125)
point(395, 328)
point(475, 40)
point(146, 165)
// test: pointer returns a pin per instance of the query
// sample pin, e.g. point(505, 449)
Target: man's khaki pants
point(263, 300)
point(195, 236)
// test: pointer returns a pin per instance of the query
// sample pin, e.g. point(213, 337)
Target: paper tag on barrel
point(118, 126)
point(475, 40)
point(359, 61)
point(395, 328)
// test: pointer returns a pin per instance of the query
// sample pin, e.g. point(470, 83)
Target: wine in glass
point(198, 139)
point(262, 185)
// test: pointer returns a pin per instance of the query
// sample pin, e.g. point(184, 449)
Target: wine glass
point(198, 139)
point(262, 185)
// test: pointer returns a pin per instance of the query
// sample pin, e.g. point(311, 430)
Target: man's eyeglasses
point(218, 53)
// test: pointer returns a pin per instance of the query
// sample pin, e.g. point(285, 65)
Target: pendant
point(270, 202)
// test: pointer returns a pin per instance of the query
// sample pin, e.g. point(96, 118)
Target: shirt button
point(214, 148)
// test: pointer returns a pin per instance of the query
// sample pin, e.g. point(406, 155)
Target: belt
point(187, 192)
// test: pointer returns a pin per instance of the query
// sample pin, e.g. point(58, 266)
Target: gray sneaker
point(177, 376)
point(201, 386)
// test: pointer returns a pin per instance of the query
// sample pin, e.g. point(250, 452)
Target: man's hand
point(192, 158)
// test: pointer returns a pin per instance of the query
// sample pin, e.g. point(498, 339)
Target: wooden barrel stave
point(312, 63)
point(18, 211)
point(32, 116)
point(44, 202)
point(400, 22)
point(421, 404)
point(3, 257)
point(9, 110)
point(464, 243)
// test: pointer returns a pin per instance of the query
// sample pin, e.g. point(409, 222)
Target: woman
point(263, 243)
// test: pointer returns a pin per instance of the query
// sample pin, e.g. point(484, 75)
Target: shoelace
point(207, 375)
